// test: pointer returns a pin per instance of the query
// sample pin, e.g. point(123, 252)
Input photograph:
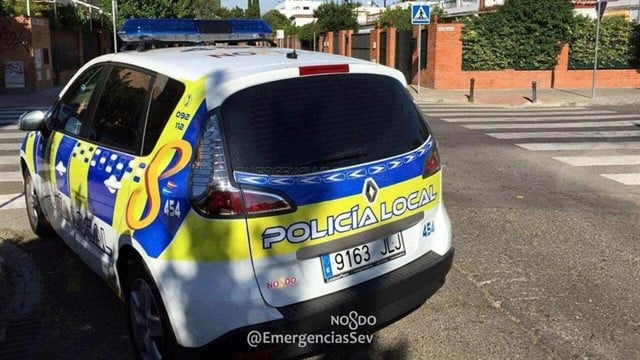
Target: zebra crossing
point(10, 115)
point(572, 136)
point(11, 137)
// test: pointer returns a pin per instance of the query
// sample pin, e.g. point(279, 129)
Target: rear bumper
point(387, 298)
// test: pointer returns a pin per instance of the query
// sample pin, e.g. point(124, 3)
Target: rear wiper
point(337, 156)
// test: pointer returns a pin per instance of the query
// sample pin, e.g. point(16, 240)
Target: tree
point(334, 17)
point(11, 8)
point(223, 13)
point(196, 9)
point(238, 13)
point(278, 21)
point(305, 35)
point(253, 9)
point(398, 17)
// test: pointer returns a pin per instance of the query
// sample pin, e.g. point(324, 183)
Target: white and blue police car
point(225, 188)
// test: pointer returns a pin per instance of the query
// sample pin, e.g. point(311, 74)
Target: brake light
point(221, 203)
point(259, 203)
point(432, 164)
point(323, 69)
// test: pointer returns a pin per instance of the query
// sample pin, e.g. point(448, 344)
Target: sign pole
point(420, 15)
point(419, 54)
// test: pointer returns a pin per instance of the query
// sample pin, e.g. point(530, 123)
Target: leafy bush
point(521, 35)
point(617, 44)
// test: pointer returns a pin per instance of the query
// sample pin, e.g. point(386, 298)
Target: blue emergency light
point(194, 31)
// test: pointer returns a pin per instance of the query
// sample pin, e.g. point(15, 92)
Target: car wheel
point(149, 328)
point(37, 220)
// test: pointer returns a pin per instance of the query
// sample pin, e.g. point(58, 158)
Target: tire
point(37, 220)
point(149, 328)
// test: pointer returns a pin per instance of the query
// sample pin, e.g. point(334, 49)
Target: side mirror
point(32, 120)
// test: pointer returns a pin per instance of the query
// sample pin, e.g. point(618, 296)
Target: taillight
point(259, 202)
point(221, 203)
point(212, 193)
point(432, 165)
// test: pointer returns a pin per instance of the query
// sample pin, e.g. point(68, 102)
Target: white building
point(300, 11)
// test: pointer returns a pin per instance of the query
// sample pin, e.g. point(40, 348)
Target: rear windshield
point(317, 123)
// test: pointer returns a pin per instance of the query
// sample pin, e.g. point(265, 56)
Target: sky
point(265, 5)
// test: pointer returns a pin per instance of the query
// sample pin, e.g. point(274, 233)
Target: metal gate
point(383, 48)
point(404, 48)
point(336, 43)
point(424, 37)
point(360, 46)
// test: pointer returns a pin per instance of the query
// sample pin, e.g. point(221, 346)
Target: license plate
point(362, 257)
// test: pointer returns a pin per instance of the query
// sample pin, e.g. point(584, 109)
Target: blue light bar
point(197, 31)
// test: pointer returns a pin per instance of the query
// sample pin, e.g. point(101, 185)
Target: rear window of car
point(317, 123)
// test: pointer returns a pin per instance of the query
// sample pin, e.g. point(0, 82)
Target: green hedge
point(521, 35)
point(617, 44)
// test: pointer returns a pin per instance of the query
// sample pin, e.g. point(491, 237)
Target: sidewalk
point(502, 98)
point(523, 97)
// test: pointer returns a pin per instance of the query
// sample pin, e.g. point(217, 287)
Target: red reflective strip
point(323, 69)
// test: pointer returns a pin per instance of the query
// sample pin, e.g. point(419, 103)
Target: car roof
point(193, 63)
point(228, 69)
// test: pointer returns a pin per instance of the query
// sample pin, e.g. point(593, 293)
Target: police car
point(224, 189)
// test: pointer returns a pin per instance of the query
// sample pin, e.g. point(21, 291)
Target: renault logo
point(370, 190)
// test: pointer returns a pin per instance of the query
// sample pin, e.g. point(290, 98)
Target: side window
point(165, 95)
point(121, 109)
point(71, 114)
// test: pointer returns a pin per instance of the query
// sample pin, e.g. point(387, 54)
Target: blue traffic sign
point(420, 14)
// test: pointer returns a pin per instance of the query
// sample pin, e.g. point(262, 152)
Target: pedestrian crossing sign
point(420, 14)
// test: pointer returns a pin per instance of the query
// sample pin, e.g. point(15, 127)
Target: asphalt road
point(547, 254)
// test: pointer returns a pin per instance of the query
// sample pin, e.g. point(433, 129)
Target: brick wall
point(444, 69)
point(26, 40)
point(374, 45)
point(391, 46)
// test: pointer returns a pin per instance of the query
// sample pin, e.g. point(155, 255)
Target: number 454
point(172, 208)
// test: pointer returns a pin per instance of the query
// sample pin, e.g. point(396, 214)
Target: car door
point(108, 162)
point(67, 120)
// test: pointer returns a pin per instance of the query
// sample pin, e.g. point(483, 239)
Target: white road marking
point(12, 135)
point(10, 176)
point(627, 179)
point(551, 125)
point(604, 160)
point(581, 146)
point(564, 134)
point(540, 119)
point(12, 201)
